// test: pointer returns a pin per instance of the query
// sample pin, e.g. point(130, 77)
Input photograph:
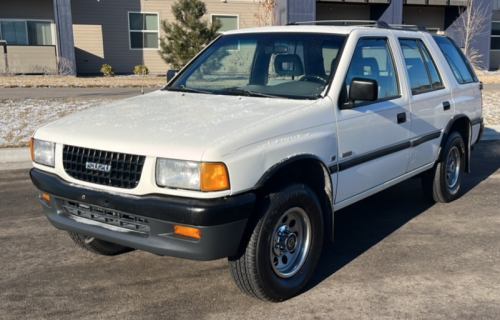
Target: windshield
point(284, 65)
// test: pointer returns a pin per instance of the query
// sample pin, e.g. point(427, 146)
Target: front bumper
point(147, 222)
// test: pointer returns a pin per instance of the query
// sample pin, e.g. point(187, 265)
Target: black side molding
point(424, 139)
point(386, 151)
point(373, 155)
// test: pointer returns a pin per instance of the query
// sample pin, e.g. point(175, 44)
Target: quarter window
point(457, 60)
point(422, 71)
point(143, 30)
point(373, 60)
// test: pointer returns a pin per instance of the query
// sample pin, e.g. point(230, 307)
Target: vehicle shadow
point(364, 224)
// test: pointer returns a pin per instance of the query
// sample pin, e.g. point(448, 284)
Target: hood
point(174, 124)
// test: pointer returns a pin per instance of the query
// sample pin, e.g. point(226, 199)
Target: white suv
point(252, 147)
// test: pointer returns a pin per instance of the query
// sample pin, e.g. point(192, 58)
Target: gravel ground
point(82, 82)
point(491, 107)
point(20, 118)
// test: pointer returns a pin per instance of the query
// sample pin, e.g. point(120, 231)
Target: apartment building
point(125, 33)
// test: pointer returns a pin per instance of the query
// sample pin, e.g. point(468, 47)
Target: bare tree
point(265, 15)
point(470, 25)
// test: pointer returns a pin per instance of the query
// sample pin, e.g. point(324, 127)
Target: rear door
point(430, 99)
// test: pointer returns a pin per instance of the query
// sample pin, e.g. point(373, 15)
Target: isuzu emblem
point(98, 166)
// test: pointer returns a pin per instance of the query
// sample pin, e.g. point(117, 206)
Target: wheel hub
point(291, 242)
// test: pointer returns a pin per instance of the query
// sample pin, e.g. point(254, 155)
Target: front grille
point(107, 216)
point(119, 170)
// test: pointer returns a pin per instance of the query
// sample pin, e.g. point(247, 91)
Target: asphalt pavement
point(395, 256)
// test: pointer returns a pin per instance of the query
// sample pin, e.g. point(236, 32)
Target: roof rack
point(362, 23)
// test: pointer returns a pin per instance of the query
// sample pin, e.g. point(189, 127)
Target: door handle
point(446, 105)
point(401, 117)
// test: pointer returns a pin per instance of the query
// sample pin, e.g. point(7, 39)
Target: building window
point(495, 35)
point(143, 30)
point(228, 22)
point(496, 4)
point(27, 32)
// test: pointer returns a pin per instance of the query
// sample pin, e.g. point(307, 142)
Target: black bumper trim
point(197, 212)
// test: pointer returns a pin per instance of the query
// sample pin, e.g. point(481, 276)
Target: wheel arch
point(461, 124)
point(307, 169)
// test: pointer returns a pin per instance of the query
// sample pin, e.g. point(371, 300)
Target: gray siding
point(495, 60)
point(429, 17)
point(27, 9)
point(337, 11)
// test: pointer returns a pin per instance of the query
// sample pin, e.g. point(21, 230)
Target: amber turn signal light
point(187, 232)
point(45, 198)
point(31, 150)
point(214, 177)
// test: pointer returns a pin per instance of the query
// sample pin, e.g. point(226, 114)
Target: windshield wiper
point(250, 93)
point(186, 89)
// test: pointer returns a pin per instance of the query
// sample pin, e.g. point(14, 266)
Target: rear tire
point(281, 250)
point(443, 182)
point(98, 246)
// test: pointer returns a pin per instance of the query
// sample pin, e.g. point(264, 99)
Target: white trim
point(143, 31)
point(52, 26)
point(226, 15)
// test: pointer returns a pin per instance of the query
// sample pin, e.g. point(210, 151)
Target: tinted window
point(417, 70)
point(373, 60)
point(435, 77)
point(456, 60)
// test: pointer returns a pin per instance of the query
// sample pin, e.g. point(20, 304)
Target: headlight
point(43, 152)
point(191, 175)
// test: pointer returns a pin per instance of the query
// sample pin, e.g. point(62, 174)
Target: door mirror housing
point(171, 74)
point(362, 89)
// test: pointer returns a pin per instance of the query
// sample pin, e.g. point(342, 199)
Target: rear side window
point(457, 60)
point(422, 71)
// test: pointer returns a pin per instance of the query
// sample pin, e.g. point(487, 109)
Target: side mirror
point(362, 89)
point(171, 74)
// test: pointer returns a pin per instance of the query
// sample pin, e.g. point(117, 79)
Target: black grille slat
point(126, 169)
point(107, 216)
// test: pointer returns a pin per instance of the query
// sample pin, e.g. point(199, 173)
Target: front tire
point(98, 246)
point(444, 181)
point(283, 245)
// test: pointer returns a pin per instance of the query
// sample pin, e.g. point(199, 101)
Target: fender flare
point(467, 140)
point(328, 217)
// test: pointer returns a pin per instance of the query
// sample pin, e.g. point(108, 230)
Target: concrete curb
point(20, 158)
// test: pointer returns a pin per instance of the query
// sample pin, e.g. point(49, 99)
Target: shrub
point(141, 70)
point(107, 70)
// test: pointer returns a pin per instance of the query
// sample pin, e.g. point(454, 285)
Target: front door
point(374, 137)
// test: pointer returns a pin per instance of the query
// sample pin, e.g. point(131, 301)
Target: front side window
point(422, 72)
point(456, 59)
point(228, 22)
point(143, 30)
point(373, 60)
point(287, 65)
